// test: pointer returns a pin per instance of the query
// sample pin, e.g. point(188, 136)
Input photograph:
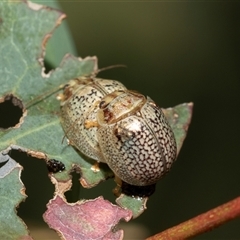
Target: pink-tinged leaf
point(92, 219)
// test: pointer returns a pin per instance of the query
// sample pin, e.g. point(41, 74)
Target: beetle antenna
point(49, 93)
point(107, 68)
point(43, 96)
point(71, 126)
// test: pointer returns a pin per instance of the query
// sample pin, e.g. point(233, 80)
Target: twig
point(202, 223)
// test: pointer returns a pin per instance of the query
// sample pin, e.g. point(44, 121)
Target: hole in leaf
point(48, 67)
point(77, 192)
point(11, 111)
point(3, 163)
point(39, 190)
point(74, 193)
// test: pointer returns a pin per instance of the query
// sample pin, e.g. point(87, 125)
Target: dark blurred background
point(175, 52)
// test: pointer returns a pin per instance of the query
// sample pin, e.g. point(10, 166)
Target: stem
point(202, 223)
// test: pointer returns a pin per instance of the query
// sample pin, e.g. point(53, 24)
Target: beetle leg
point(95, 167)
point(90, 124)
point(118, 189)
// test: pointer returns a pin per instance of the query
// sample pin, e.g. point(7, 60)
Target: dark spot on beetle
point(121, 91)
point(102, 104)
point(65, 86)
point(67, 92)
point(138, 191)
point(117, 134)
point(55, 166)
point(108, 115)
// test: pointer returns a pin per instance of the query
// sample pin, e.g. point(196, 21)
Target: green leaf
point(40, 133)
point(24, 30)
point(11, 194)
point(61, 42)
point(136, 204)
point(179, 118)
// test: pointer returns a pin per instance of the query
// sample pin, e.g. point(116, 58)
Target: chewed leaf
point(179, 118)
point(61, 42)
point(24, 80)
point(38, 131)
point(92, 173)
point(12, 192)
point(136, 204)
point(92, 219)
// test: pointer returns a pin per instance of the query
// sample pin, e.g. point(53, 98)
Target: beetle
point(125, 129)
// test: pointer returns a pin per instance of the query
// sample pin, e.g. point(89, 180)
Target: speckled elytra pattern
point(123, 128)
point(140, 148)
point(81, 105)
point(158, 123)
